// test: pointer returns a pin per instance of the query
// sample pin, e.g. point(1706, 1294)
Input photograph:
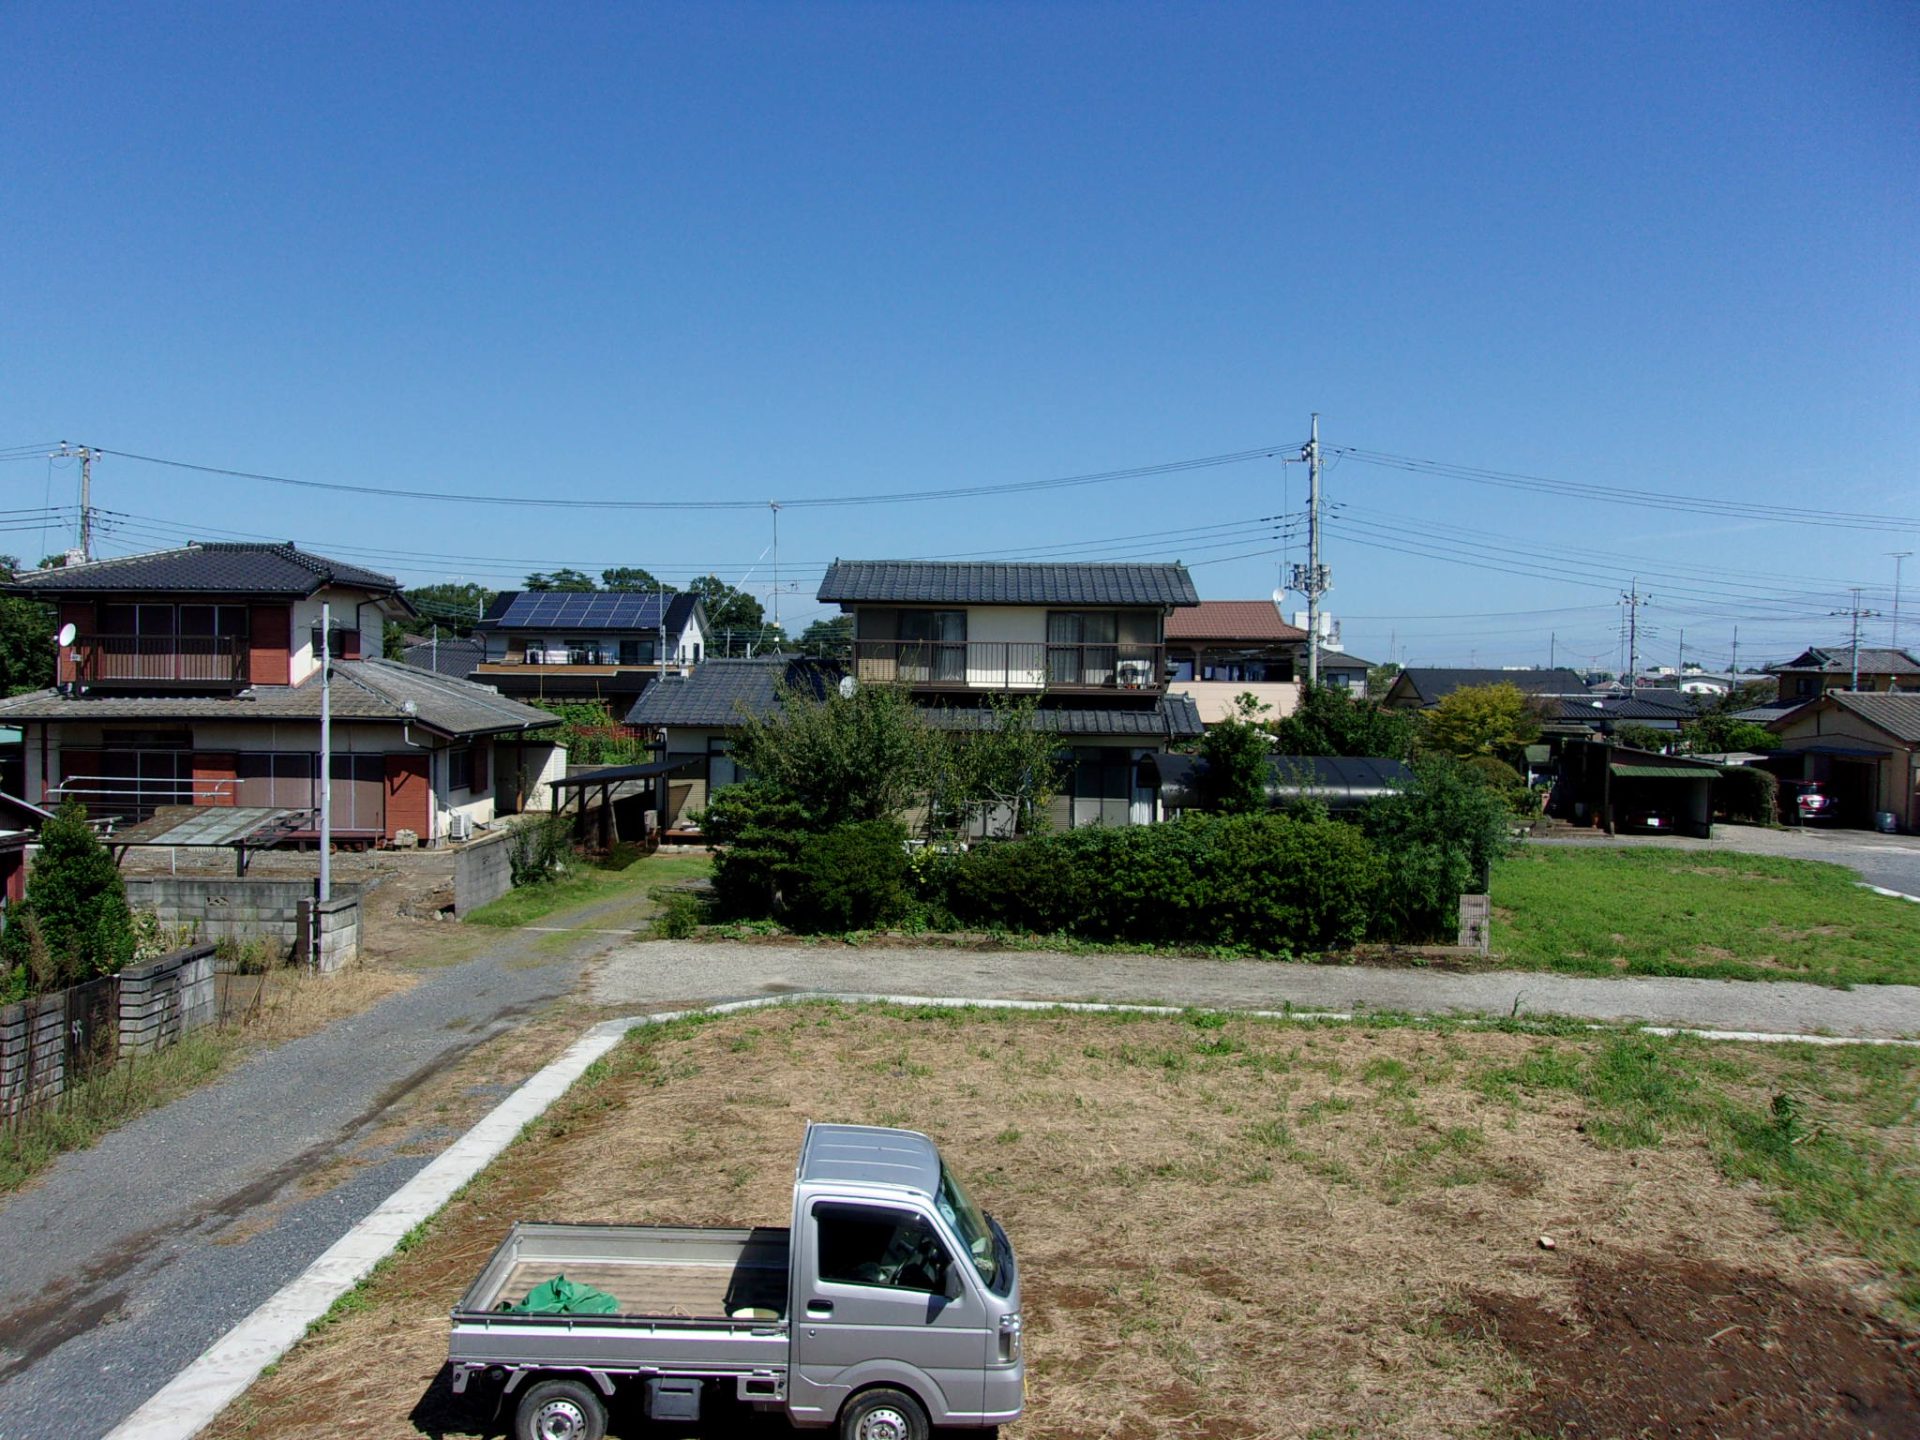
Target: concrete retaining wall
point(233, 909)
point(33, 1052)
point(482, 871)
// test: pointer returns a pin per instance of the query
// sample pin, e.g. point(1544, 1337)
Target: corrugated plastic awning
point(1663, 772)
point(614, 774)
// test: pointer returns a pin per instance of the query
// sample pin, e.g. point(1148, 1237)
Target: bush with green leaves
point(1239, 752)
point(854, 877)
point(74, 923)
point(761, 830)
point(1439, 839)
point(1330, 721)
point(1270, 883)
point(680, 914)
point(1748, 795)
point(539, 848)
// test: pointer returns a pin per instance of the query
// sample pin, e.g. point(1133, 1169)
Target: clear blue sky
point(726, 251)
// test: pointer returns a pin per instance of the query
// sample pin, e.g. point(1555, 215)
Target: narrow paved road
point(669, 972)
point(124, 1261)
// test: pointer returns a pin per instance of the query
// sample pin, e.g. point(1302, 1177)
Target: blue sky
point(746, 252)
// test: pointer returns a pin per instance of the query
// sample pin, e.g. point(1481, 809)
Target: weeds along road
point(124, 1261)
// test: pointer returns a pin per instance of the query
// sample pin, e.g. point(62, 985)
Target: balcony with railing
point(1011, 665)
point(202, 662)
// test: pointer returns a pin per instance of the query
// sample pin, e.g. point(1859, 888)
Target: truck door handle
point(819, 1307)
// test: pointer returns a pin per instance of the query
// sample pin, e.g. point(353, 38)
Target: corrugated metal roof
point(924, 582)
point(362, 690)
point(1897, 712)
point(1255, 620)
point(1650, 771)
point(240, 568)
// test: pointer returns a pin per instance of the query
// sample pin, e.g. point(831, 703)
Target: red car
point(1812, 802)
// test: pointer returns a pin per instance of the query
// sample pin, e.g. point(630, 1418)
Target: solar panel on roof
point(583, 610)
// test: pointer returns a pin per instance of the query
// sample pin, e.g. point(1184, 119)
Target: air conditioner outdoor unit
point(459, 826)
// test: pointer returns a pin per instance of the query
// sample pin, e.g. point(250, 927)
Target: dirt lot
point(1237, 1227)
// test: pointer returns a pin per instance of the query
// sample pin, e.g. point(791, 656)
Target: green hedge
point(1272, 883)
point(1748, 794)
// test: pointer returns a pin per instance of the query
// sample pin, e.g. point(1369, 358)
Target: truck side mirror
point(951, 1284)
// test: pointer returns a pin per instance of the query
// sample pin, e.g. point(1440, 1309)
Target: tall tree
point(630, 577)
point(1331, 722)
point(828, 639)
point(1000, 775)
point(561, 579)
point(864, 756)
point(450, 606)
point(74, 923)
point(728, 607)
point(1238, 751)
point(1481, 720)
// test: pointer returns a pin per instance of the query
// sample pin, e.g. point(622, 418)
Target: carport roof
point(1630, 770)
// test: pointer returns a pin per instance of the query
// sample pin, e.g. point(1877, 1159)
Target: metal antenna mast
point(1857, 615)
point(1899, 558)
point(1313, 578)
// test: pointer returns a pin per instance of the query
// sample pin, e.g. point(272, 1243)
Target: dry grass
point(1244, 1227)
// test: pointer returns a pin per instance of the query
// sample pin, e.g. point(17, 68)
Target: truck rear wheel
point(884, 1415)
point(560, 1410)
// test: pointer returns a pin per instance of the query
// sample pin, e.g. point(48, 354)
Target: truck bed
point(653, 1271)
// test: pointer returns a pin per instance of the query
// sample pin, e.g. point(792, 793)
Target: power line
point(1101, 477)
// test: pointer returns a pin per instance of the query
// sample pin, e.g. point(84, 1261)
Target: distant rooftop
point(925, 582)
point(1255, 620)
point(1429, 686)
point(1838, 660)
point(547, 610)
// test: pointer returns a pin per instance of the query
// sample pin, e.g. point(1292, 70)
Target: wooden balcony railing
point(1011, 665)
point(161, 659)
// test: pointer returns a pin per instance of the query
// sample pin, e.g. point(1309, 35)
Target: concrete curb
point(1890, 894)
point(194, 1398)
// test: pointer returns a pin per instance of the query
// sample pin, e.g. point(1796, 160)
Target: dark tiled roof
point(1897, 713)
point(1432, 685)
point(375, 690)
point(1593, 710)
point(719, 692)
point(547, 610)
point(1171, 717)
point(1838, 660)
point(924, 582)
point(211, 569)
point(447, 656)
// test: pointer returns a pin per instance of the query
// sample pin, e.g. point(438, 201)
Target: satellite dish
point(1280, 599)
point(847, 686)
point(68, 633)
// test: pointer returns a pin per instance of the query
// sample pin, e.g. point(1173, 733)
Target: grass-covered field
point(1255, 1227)
point(1647, 911)
point(623, 878)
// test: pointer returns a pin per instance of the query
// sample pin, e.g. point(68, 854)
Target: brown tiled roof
point(1231, 620)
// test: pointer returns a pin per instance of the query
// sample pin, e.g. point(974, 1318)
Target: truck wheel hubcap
point(886, 1423)
point(560, 1420)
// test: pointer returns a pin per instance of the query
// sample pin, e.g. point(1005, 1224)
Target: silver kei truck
point(890, 1306)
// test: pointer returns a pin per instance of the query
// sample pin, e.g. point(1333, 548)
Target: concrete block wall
point(236, 909)
point(32, 1052)
point(329, 933)
point(163, 999)
point(482, 871)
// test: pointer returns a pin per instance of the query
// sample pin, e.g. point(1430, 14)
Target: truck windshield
point(968, 1223)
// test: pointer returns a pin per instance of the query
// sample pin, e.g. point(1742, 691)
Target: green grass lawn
point(587, 882)
point(1691, 912)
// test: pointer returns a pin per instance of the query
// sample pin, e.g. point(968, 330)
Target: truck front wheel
point(884, 1415)
point(560, 1410)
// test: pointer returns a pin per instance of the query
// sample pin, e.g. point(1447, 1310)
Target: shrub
point(1504, 781)
point(78, 910)
point(680, 914)
point(1748, 794)
point(761, 830)
point(538, 849)
point(1272, 883)
point(1439, 839)
point(1238, 753)
point(854, 877)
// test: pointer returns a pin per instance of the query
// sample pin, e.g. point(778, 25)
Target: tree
point(1642, 737)
point(728, 608)
point(451, 607)
point(1481, 720)
point(26, 639)
point(1718, 733)
point(867, 756)
point(1238, 751)
point(1332, 722)
point(630, 577)
point(828, 639)
point(1002, 773)
point(1380, 679)
point(74, 923)
point(562, 579)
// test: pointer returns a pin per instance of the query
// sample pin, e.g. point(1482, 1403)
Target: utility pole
point(1633, 600)
point(1733, 661)
point(1683, 650)
point(1553, 643)
point(1857, 615)
point(1313, 578)
point(86, 454)
point(326, 771)
point(774, 505)
point(1899, 557)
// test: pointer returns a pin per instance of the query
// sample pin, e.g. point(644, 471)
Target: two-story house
point(1087, 640)
point(191, 677)
point(1815, 670)
point(605, 645)
point(1219, 650)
